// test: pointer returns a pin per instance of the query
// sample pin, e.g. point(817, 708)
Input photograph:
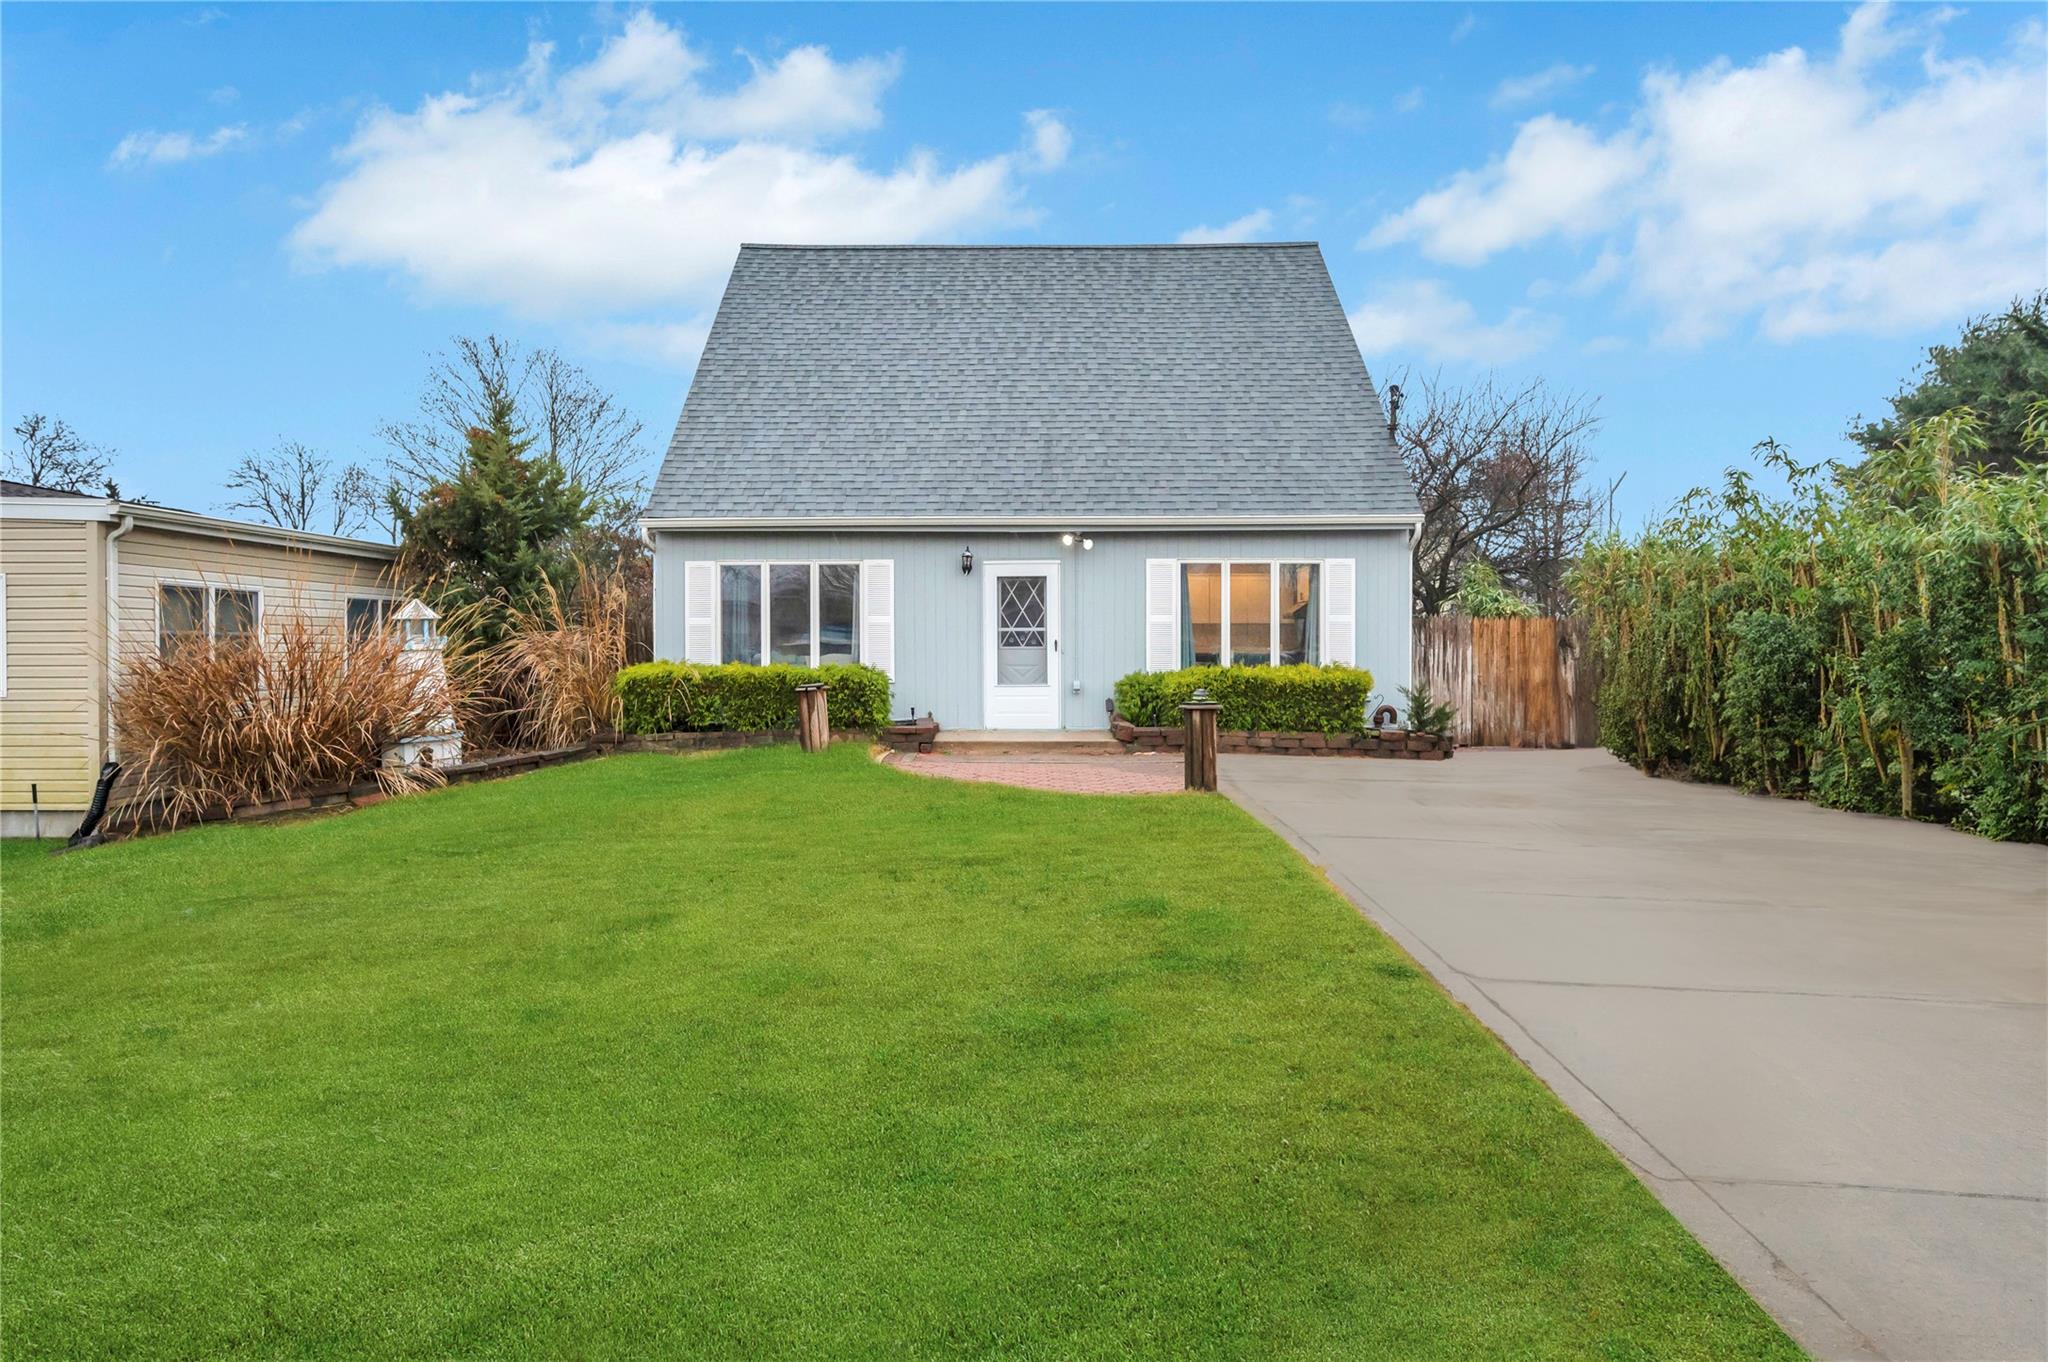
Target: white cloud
point(1246, 228)
point(624, 185)
point(1464, 27)
point(1538, 85)
point(1422, 318)
point(1816, 195)
point(647, 75)
point(1345, 114)
point(669, 345)
point(1556, 177)
point(1048, 137)
point(168, 148)
point(1409, 100)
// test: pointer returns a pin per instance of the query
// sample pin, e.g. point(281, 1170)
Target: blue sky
point(226, 225)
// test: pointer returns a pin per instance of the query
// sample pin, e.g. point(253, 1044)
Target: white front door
point(1021, 645)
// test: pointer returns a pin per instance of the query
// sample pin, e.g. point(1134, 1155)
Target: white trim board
point(1078, 524)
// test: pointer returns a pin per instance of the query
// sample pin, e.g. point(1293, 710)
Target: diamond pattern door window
point(1020, 631)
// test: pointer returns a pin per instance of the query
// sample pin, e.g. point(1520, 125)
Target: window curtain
point(1312, 619)
point(1187, 622)
point(739, 599)
point(1301, 609)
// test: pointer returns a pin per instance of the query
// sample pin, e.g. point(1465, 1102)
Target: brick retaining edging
point(1377, 743)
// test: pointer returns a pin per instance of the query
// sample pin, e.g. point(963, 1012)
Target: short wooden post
point(1198, 717)
point(813, 729)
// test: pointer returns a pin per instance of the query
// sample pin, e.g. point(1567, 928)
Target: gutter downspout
point(110, 748)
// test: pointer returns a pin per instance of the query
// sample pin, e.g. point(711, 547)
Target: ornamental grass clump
point(1875, 639)
point(251, 721)
point(550, 673)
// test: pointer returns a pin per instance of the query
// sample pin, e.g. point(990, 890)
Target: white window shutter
point(1162, 614)
point(1340, 611)
point(878, 614)
point(700, 612)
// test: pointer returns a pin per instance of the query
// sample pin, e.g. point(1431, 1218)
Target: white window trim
point(208, 592)
point(387, 600)
point(1272, 566)
point(763, 565)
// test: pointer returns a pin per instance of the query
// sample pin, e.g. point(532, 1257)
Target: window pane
point(234, 615)
point(1251, 614)
point(181, 616)
point(838, 612)
point(789, 613)
point(1301, 610)
point(1201, 614)
point(739, 601)
point(1021, 631)
point(366, 615)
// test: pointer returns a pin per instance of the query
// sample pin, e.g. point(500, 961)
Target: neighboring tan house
point(1009, 475)
point(86, 580)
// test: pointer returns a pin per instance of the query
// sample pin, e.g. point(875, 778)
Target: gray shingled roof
point(10, 488)
point(847, 381)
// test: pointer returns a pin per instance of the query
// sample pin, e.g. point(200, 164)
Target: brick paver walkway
point(1067, 774)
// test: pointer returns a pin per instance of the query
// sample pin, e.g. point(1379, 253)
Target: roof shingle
point(1031, 381)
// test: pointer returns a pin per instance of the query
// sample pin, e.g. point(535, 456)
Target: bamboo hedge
point(1873, 639)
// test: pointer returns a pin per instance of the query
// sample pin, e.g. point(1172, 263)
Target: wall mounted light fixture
point(966, 560)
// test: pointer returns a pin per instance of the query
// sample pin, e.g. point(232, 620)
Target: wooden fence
point(1515, 683)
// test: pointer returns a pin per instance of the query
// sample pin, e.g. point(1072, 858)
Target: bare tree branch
point(1502, 475)
point(292, 486)
point(571, 419)
point(49, 453)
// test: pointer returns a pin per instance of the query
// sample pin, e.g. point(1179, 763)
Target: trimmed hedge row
point(1299, 699)
point(674, 697)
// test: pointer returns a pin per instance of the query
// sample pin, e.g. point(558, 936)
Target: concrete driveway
point(1822, 1038)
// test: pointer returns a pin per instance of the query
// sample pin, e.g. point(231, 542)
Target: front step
point(1050, 743)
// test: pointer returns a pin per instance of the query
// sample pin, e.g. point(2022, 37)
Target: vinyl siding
point(316, 583)
point(939, 641)
point(50, 717)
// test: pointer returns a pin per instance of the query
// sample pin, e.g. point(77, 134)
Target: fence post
point(813, 729)
point(1198, 719)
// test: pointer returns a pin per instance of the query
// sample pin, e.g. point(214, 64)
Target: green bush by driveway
point(773, 1055)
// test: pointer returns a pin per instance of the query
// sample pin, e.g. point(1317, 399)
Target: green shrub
point(1874, 638)
point(1276, 699)
point(1770, 700)
point(1425, 713)
point(1483, 596)
point(670, 697)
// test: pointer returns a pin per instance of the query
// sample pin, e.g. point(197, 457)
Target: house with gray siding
point(1009, 475)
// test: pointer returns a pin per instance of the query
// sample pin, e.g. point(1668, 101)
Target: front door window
point(1021, 631)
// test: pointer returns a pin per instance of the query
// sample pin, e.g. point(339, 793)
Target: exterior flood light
point(1067, 540)
point(1086, 542)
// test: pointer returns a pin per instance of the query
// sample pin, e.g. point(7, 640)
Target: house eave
point(1336, 521)
point(85, 509)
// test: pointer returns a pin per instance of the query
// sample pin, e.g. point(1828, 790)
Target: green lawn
point(762, 1055)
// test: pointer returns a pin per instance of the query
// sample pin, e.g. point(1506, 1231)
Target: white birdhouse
point(420, 646)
